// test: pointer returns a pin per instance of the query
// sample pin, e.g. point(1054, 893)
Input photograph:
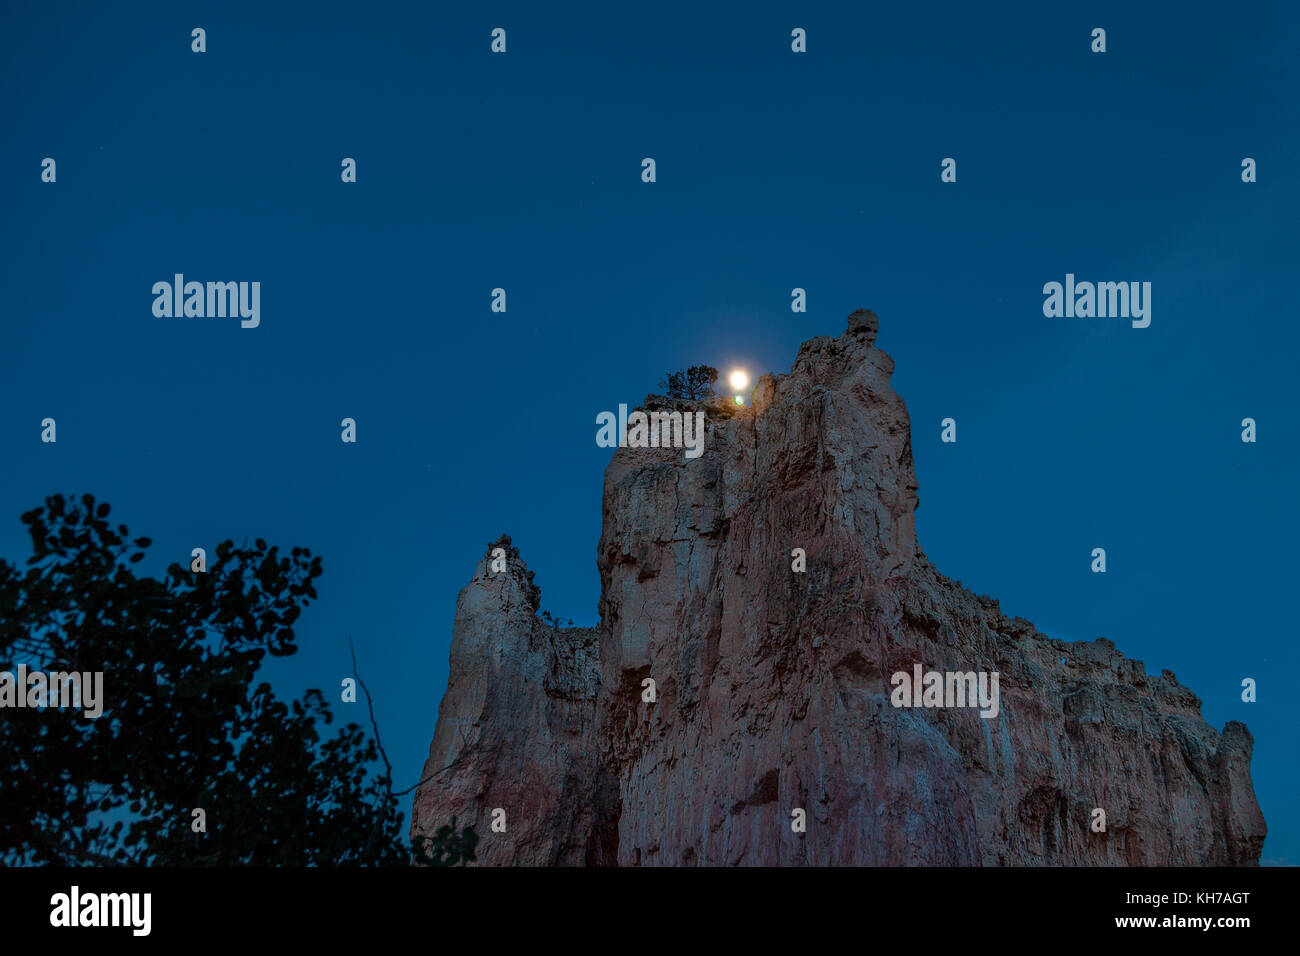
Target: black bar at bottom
point(577, 909)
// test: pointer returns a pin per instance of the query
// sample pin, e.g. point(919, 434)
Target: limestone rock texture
point(773, 685)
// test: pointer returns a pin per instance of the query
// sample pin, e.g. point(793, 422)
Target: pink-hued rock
point(773, 686)
point(515, 727)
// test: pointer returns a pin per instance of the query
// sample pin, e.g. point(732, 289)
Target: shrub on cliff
point(695, 383)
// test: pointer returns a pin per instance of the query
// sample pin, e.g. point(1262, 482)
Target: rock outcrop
point(773, 686)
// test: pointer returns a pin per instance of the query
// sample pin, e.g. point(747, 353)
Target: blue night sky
point(775, 170)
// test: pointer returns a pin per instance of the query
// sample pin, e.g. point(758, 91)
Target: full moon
point(739, 380)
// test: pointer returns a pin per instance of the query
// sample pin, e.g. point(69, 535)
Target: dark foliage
point(184, 725)
point(447, 847)
point(694, 383)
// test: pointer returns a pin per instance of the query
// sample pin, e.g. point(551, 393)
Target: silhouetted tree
point(447, 847)
point(694, 383)
point(183, 726)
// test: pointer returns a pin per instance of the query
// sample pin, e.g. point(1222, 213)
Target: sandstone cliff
point(773, 686)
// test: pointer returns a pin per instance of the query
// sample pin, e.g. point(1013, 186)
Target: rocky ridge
point(773, 686)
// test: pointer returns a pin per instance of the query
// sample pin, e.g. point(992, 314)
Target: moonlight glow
point(739, 380)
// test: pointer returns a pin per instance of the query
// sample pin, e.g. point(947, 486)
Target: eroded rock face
point(773, 686)
point(515, 727)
